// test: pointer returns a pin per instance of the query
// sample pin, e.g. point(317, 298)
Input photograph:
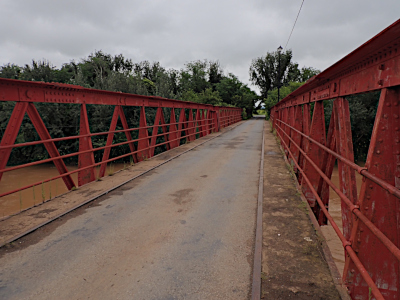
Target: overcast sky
point(175, 32)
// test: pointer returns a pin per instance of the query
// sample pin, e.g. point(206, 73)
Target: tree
point(215, 73)
point(272, 97)
point(234, 92)
point(268, 71)
point(10, 71)
point(194, 76)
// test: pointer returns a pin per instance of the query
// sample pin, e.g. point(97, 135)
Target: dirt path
point(293, 265)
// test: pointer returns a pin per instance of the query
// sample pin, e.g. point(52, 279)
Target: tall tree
point(267, 72)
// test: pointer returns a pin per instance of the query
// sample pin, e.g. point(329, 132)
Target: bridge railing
point(371, 220)
point(186, 122)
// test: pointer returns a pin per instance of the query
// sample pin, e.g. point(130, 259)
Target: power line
point(294, 25)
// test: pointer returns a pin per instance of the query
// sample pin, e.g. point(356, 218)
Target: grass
point(263, 276)
point(260, 111)
point(303, 206)
point(110, 170)
point(43, 192)
point(291, 171)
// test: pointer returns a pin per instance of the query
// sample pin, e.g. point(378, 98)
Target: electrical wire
point(294, 25)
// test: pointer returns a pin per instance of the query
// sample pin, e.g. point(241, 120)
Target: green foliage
point(363, 109)
point(267, 72)
point(272, 96)
point(274, 71)
point(234, 92)
point(10, 71)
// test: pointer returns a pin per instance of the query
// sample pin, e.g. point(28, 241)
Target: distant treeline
point(199, 81)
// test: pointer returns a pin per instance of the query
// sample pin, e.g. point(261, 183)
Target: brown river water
point(16, 202)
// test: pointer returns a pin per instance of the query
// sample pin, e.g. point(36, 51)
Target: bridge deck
point(183, 231)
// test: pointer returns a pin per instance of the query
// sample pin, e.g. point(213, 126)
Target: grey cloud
point(175, 32)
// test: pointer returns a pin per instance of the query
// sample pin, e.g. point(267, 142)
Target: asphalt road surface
point(183, 231)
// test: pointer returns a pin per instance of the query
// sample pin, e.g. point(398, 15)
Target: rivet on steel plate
point(378, 152)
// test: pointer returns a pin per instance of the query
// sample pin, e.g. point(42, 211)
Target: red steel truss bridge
point(371, 219)
point(194, 120)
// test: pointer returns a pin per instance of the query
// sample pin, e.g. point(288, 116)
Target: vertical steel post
point(85, 143)
point(329, 163)
point(172, 136)
point(143, 143)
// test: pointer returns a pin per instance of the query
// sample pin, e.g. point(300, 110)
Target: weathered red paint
point(317, 132)
point(26, 93)
point(85, 144)
point(379, 206)
point(371, 221)
point(143, 142)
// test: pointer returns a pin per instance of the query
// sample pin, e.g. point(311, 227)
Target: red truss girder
point(371, 221)
point(207, 119)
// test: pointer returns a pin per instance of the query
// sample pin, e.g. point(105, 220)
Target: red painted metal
point(11, 133)
point(26, 93)
point(173, 131)
point(158, 119)
point(143, 143)
point(371, 220)
point(192, 126)
point(86, 159)
point(317, 132)
point(50, 146)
